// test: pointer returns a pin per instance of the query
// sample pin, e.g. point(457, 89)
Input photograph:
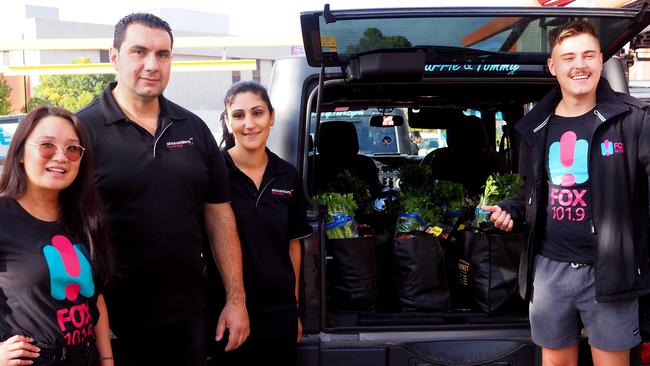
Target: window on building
point(103, 56)
point(236, 76)
point(256, 72)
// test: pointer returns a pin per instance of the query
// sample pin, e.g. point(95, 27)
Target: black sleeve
point(644, 142)
point(218, 189)
point(298, 225)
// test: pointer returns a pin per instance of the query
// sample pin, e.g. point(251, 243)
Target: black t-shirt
point(568, 235)
point(267, 219)
point(46, 283)
point(155, 188)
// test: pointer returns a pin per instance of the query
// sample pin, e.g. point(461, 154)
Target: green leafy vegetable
point(347, 182)
point(418, 209)
point(451, 198)
point(340, 214)
point(415, 176)
point(497, 188)
point(417, 202)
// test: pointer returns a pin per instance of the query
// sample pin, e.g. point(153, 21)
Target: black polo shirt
point(154, 188)
point(267, 219)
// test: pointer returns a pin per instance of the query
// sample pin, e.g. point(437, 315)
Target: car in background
point(8, 126)
point(431, 141)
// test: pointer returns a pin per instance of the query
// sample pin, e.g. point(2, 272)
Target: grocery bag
point(352, 274)
point(420, 270)
point(489, 266)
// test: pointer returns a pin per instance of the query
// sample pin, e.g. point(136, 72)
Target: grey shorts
point(564, 298)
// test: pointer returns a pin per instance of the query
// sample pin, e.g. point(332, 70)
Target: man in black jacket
point(585, 160)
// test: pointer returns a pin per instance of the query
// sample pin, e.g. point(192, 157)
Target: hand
point(501, 219)
point(17, 347)
point(234, 317)
point(299, 330)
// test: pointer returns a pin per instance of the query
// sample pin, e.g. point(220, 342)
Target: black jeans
point(182, 343)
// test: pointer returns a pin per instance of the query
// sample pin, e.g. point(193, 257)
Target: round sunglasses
point(48, 149)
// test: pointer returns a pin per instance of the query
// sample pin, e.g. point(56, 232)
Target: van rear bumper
point(467, 347)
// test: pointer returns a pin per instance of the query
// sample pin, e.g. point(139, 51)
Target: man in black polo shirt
point(164, 182)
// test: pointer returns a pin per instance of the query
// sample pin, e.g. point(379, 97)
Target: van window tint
point(372, 140)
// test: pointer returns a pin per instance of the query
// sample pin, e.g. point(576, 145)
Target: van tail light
point(645, 353)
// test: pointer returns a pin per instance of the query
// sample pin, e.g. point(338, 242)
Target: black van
point(422, 69)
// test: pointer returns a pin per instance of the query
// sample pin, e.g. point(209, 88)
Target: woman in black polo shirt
point(54, 256)
point(270, 208)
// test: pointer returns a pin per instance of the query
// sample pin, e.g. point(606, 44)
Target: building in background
point(200, 91)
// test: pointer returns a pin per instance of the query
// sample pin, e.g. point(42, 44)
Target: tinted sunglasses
point(48, 149)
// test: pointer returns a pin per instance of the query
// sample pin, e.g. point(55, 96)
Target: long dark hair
point(227, 138)
point(82, 212)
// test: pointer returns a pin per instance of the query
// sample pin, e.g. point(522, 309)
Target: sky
point(246, 17)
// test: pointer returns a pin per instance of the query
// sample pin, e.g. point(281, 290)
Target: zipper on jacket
point(259, 195)
point(155, 142)
point(541, 125)
point(600, 116)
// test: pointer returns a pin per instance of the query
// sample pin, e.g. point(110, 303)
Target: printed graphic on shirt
point(568, 160)
point(70, 276)
point(70, 272)
point(609, 148)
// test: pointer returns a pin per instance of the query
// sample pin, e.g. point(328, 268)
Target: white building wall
point(200, 92)
point(66, 57)
point(266, 67)
point(194, 21)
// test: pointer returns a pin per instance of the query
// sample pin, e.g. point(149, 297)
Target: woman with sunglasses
point(54, 254)
point(271, 212)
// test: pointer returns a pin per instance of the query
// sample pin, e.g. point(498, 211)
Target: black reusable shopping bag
point(352, 273)
point(420, 271)
point(489, 266)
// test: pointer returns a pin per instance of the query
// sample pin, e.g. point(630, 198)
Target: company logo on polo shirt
point(180, 143)
point(70, 271)
point(281, 192)
point(609, 148)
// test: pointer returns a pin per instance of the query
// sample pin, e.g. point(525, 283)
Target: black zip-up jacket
point(619, 164)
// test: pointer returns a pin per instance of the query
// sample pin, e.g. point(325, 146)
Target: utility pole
point(22, 36)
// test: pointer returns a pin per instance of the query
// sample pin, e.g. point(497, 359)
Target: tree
point(69, 91)
point(373, 39)
point(5, 102)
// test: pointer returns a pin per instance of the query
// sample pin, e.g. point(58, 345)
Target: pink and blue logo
point(70, 271)
point(568, 160)
point(609, 148)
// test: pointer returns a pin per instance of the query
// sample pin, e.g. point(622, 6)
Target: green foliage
point(340, 214)
point(418, 201)
point(5, 102)
point(69, 91)
point(373, 39)
point(499, 187)
point(415, 176)
point(451, 197)
point(347, 182)
point(415, 198)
